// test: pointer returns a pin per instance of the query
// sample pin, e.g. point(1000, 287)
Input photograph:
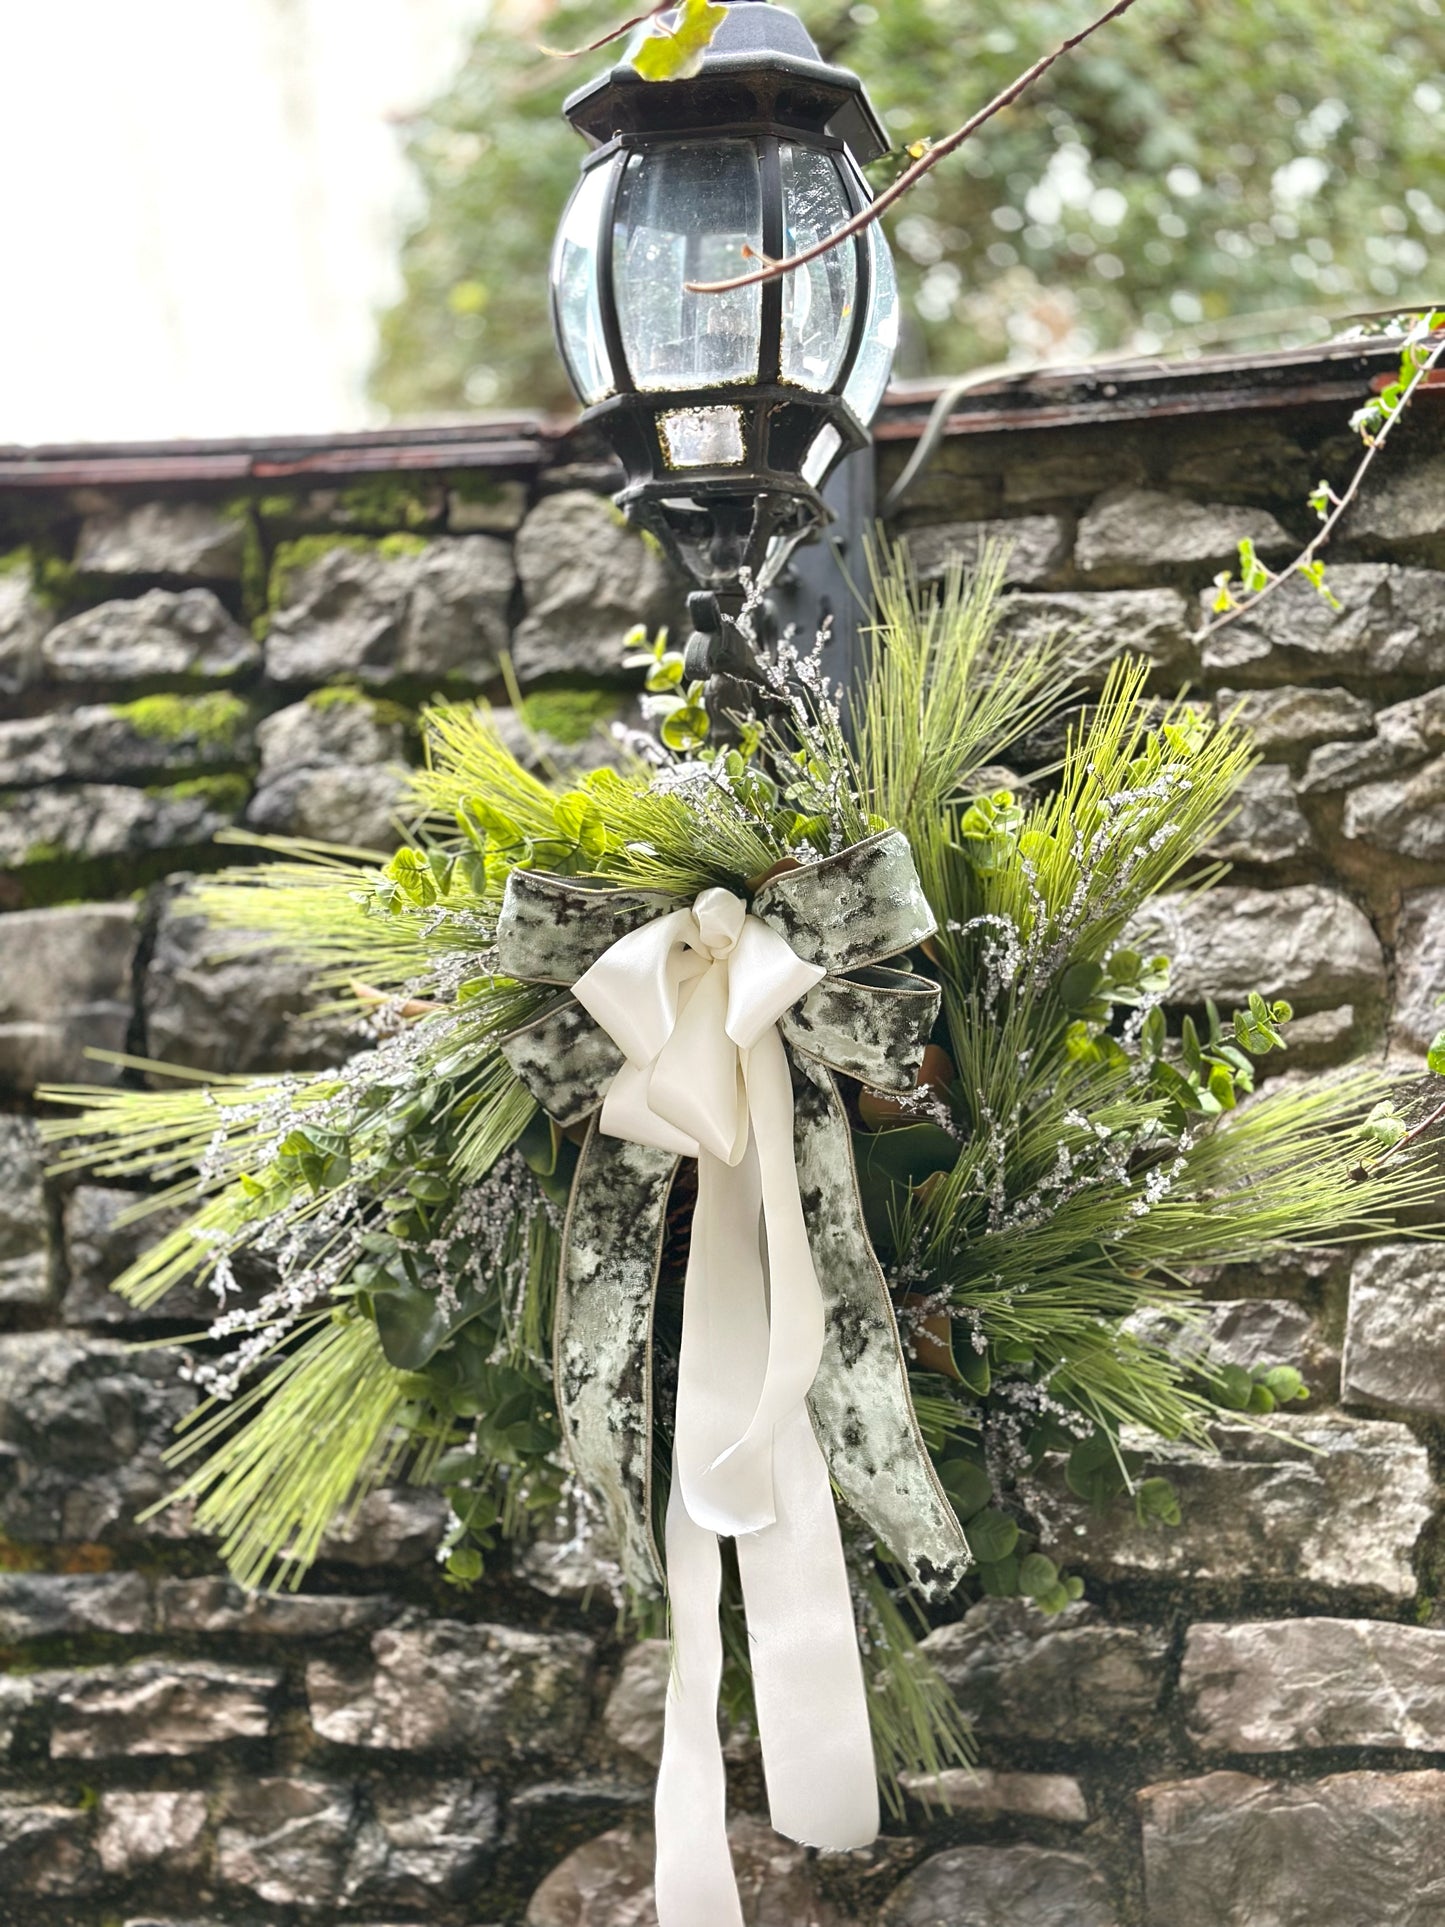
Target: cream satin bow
point(693, 1000)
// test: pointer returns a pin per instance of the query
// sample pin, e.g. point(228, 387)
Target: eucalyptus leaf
point(413, 1325)
point(991, 1536)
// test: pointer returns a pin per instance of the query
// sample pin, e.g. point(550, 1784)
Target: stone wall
point(1244, 1723)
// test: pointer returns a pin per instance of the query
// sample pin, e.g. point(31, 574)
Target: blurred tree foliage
point(1200, 162)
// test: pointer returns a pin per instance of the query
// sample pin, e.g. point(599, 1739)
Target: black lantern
point(728, 411)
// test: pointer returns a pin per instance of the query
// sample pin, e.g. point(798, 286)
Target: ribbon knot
point(685, 999)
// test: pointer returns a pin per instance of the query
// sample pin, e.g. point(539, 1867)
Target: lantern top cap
point(761, 66)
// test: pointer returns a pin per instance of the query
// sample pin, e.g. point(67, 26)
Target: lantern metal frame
point(762, 83)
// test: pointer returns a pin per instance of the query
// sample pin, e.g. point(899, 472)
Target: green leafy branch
point(1420, 355)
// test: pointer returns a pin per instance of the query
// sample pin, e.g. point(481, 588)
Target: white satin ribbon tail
point(693, 1001)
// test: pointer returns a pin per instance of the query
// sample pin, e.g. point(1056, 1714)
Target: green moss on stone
point(44, 853)
point(214, 720)
point(17, 562)
point(470, 486)
point(392, 546)
point(306, 549)
point(57, 583)
point(300, 554)
point(382, 503)
point(278, 507)
point(568, 716)
point(254, 572)
point(347, 695)
point(226, 794)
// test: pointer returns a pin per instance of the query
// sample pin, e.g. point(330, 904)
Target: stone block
point(485, 1691)
point(393, 1526)
point(1395, 1336)
point(1267, 826)
point(138, 1832)
point(1104, 625)
point(1419, 968)
point(198, 539)
point(633, 1715)
point(571, 1556)
point(216, 1605)
point(632, 1718)
point(440, 611)
point(1037, 547)
point(163, 633)
point(25, 1277)
point(24, 620)
point(1268, 1331)
point(1131, 534)
point(330, 770)
point(95, 820)
point(46, 1852)
point(486, 508)
point(65, 984)
point(18, 1694)
point(1391, 623)
point(608, 1882)
point(45, 1605)
point(1405, 735)
point(1253, 450)
point(1405, 817)
point(1357, 1849)
point(1398, 514)
point(1296, 718)
point(222, 1000)
point(333, 727)
point(422, 1847)
point(155, 1708)
point(1043, 465)
point(285, 1841)
point(1323, 1037)
point(1001, 1886)
point(83, 1424)
point(1074, 1679)
point(357, 803)
point(1327, 1502)
point(587, 580)
point(191, 1920)
point(1306, 943)
point(99, 1246)
point(1056, 1798)
point(1284, 1685)
point(99, 742)
point(1246, 1332)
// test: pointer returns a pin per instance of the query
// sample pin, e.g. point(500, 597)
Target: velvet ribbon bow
point(713, 1031)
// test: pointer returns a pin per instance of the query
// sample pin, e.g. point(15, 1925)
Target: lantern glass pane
point(818, 300)
point(687, 213)
point(574, 280)
point(869, 376)
point(818, 460)
point(702, 437)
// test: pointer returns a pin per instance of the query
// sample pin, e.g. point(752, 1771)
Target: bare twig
point(939, 151)
point(606, 39)
point(1328, 526)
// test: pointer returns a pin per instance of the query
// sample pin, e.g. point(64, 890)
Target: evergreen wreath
point(1035, 1201)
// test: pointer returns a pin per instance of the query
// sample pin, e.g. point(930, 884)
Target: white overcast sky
point(203, 200)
